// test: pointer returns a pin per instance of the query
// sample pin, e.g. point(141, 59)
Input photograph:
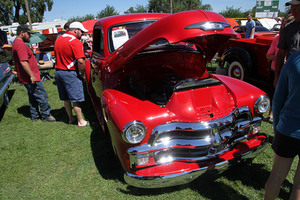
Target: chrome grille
point(182, 153)
point(192, 142)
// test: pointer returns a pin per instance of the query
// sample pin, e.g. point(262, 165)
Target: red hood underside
point(173, 29)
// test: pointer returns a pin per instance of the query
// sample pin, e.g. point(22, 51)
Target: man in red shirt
point(29, 75)
point(70, 67)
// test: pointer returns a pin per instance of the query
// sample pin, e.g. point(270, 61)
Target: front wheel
point(236, 70)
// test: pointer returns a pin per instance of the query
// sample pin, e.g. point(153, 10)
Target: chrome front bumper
point(196, 142)
point(188, 176)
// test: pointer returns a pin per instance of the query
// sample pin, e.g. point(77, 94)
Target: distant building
point(267, 8)
point(37, 26)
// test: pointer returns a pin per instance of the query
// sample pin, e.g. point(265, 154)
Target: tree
point(15, 10)
point(6, 11)
point(81, 19)
point(137, 9)
point(178, 5)
point(231, 12)
point(108, 11)
point(206, 7)
point(189, 5)
point(38, 8)
point(157, 6)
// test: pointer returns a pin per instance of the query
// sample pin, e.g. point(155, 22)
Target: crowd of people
point(69, 66)
point(70, 72)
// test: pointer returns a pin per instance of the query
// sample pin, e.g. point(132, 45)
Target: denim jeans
point(38, 99)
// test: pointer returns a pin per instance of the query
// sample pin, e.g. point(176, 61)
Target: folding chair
point(45, 64)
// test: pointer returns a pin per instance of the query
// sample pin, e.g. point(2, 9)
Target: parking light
point(143, 160)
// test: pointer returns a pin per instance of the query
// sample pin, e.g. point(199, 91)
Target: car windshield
point(119, 34)
point(242, 29)
point(276, 27)
point(261, 29)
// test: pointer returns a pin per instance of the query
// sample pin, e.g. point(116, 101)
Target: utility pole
point(171, 7)
point(28, 14)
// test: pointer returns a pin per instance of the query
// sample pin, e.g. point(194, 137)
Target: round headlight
point(134, 132)
point(262, 104)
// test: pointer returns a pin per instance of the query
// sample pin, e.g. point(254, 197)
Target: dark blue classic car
point(6, 76)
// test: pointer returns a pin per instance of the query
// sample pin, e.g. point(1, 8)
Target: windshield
point(119, 34)
point(242, 29)
point(261, 29)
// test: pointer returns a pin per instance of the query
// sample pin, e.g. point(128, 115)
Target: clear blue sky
point(65, 9)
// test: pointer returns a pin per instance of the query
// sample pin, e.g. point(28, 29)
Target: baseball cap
point(293, 2)
point(78, 25)
point(25, 28)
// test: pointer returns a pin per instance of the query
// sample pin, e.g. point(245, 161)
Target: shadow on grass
point(25, 111)
point(270, 139)
point(249, 174)
point(208, 184)
point(152, 191)
point(59, 114)
point(104, 157)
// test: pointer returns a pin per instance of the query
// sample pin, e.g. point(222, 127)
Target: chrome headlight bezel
point(262, 104)
point(134, 132)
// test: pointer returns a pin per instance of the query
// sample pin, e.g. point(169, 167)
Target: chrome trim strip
point(197, 126)
point(188, 176)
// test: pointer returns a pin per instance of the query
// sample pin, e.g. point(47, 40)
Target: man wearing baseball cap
point(70, 71)
point(29, 75)
point(78, 25)
point(293, 2)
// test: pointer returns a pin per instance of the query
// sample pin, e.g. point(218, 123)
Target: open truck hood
point(207, 30)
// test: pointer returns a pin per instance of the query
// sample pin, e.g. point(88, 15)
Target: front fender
point(121, 108)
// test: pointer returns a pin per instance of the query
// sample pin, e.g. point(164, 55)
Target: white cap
point(78, 25)
point(293, 2)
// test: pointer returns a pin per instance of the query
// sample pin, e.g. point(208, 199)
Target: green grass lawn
point(60, 161)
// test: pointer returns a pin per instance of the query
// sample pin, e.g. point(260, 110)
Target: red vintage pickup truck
point(245, 59)
point(169, 120)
